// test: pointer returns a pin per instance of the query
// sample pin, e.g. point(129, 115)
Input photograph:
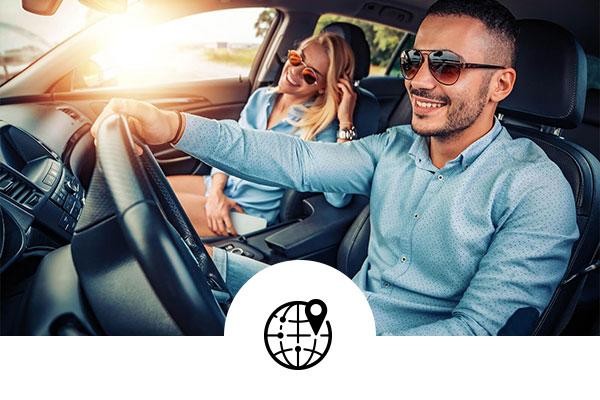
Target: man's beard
point(461, 116)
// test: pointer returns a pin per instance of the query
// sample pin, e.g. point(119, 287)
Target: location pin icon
point(316, 311)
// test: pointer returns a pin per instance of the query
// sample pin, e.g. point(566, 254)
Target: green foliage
point(264, 21)
point(381, 38)
point(242, 57)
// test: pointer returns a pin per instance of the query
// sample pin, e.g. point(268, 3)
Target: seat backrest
point(547, 97)
point(353, 248)
point(390, 93)
point(402, 115)
point(587, 134)
point(366, 103)
point(365, 112)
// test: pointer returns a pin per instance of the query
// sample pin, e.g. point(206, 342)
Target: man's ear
point(503, 84)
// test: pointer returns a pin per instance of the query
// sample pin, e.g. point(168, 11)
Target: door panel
point(217, 99)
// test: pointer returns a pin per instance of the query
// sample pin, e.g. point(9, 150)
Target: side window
point(383, 40)
point(407, 43)
point(192, 48)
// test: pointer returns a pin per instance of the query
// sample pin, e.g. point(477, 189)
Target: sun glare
point(140, 53)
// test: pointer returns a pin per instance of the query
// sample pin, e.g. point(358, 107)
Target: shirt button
point(403, 259)
point(416, 215)
point(386, 284)
point(440, 177)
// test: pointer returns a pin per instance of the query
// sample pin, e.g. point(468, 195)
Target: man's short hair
point(499, 21)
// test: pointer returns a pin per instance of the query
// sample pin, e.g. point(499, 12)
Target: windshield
point(25, 37)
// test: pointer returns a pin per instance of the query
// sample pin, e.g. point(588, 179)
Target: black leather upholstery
point(546, 96)
point(366, 113)
point(551, 76)
point(353, 249)
point(355, 37)
point(588, 133)
point(389, 91)
point(556, 97)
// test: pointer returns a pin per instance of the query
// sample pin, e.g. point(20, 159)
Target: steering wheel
point(158, 232)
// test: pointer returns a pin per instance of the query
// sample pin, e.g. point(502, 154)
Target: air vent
point(17, 189)
point(70, 112)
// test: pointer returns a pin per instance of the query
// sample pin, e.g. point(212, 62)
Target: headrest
point(356, 39)
point(551, 76)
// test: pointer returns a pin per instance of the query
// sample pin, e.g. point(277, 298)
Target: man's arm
point(282, 160)
point(273, 159)
point(522, 268)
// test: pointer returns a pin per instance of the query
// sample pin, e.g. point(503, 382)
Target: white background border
point(205, 368)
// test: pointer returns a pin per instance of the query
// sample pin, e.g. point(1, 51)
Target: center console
point(315, 236)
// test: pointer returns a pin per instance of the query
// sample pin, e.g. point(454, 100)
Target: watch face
point(347, 134)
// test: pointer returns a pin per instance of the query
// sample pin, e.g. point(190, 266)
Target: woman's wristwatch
point(346, 134)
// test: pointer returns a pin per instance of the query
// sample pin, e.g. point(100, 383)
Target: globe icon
point(297, 335)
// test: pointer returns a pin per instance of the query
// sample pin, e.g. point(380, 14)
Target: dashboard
point(43, 158)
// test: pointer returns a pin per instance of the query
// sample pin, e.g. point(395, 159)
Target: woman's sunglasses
point(308, 73)
point(444, 65)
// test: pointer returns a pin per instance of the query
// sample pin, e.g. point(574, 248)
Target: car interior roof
point(578, 16)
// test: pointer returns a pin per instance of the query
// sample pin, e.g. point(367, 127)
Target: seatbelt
point(570, 309)
point(580, 274)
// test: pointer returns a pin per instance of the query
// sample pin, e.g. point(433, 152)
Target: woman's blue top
point(261, 200)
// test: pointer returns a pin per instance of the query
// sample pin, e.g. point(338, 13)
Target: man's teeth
point(429, 105)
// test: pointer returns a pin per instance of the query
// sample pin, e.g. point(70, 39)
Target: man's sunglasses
point(308, 73)
point(444, 65)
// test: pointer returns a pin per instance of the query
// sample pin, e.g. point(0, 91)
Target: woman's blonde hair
point(324, 108)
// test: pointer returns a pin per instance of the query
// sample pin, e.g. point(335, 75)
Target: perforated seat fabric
point(587, 134)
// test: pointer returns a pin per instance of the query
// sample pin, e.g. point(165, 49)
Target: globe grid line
point(312, 355)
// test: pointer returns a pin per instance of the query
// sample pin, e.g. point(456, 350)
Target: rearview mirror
point(49, 7)
point(41, 7)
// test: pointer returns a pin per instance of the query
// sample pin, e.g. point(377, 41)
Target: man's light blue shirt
point(456, 250)
point(264, 200)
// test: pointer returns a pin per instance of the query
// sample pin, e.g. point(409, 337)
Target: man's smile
point(422, 105)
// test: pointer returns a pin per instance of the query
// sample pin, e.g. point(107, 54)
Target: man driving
point(471, 230)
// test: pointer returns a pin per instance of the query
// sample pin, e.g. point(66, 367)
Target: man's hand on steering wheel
point(156, 229)
point(153, 125)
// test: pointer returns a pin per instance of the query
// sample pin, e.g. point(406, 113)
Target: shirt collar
point(295, 113)
point(470, 154)
point(419, 150)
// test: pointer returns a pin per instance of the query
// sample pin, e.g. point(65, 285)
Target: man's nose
point(423, 79)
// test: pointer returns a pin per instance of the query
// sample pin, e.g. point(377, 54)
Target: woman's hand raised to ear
point(154, 126)
point(347, 103)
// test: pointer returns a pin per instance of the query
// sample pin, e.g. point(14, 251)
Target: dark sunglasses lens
point(309, 76)
point(410, 62)
point(294, 58)
point(445, 66)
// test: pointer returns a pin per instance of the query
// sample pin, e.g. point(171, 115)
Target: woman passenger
point(313, 100)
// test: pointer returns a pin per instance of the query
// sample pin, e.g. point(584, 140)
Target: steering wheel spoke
point(159, 233)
